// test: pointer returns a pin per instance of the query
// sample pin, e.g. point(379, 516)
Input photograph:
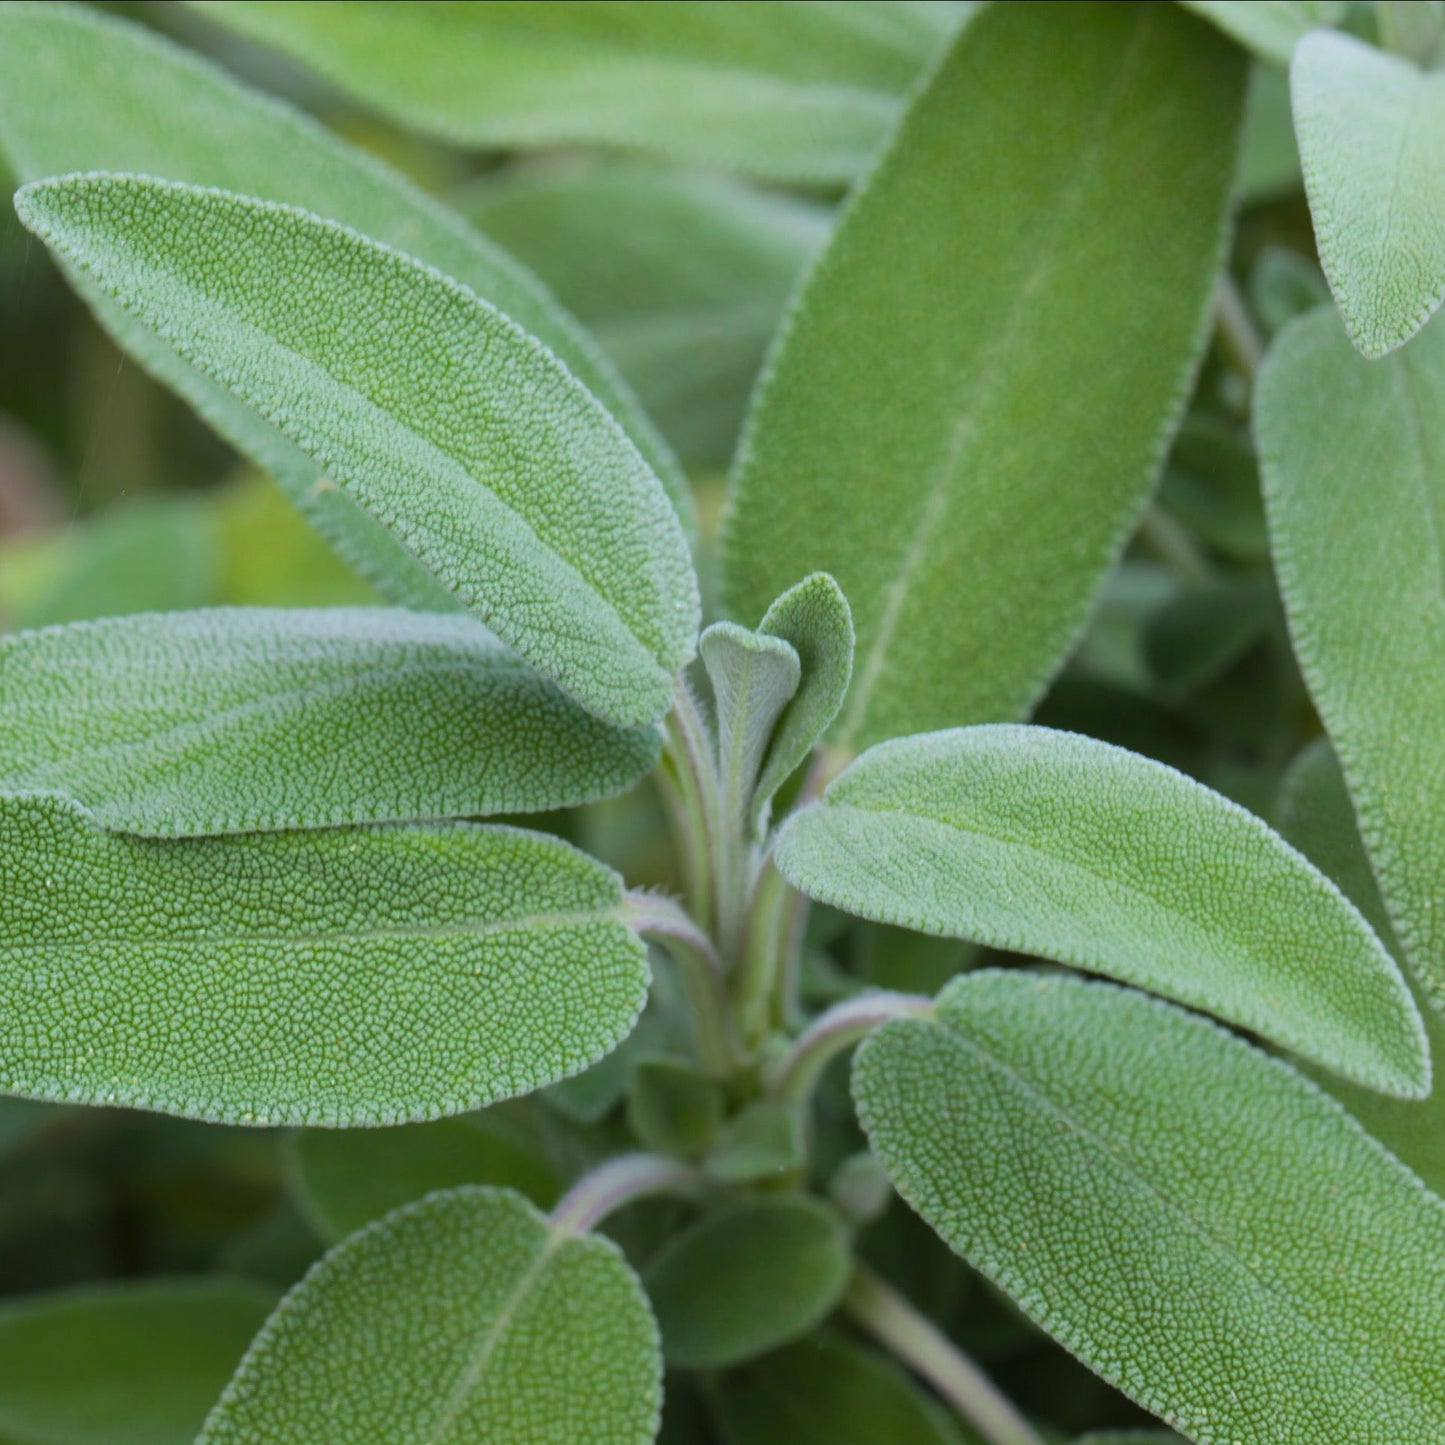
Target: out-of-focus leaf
point(1047, 843)
point(1191, 1218)
point(1283, 285)
point(1269, 165)
point(1211, 485)
point(1197, 635)
point(674, 1108)
point(1270, 28)
point(935, 416)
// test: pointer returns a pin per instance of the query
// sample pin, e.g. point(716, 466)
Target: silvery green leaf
point(1270, 28)
point(1057, 845)
point(465, 438)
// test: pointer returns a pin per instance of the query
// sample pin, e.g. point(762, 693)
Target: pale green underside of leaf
point(122, 1364)
point(936, 416)
point(167, 112)
point(680, 275)
point(1052, 844)
point(1270, 28)
point(464, 1319)
point(455, 430)
point(1196, 1221)
point(1371, 131)
point(1353, 459)
point(790, 92)
point(249, 719)
point(354, 976)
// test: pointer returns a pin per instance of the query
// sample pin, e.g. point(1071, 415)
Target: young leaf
point(825, 1392)
point(122, 1364)
point(1195, 1221)
point(814, 618)
point(245, 719)
point(790, 92)
point(169, 113)
point(1371, 131)
point(463, 1317)
point(1353, 457)
point(464, 437)
point(345, 1178)
point(938, 416)
point(1058, 845)
point(357, 976)
point(1270, 28)
point(747, 1279)
point(674, 1108)
point(680, 275)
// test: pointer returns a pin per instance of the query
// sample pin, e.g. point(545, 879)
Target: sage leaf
point(813, 617)
point(1191, 1218)
point(1057, 845)
point(504, 477)
point(1371, 130)
point(746, 1279)
point(1353, 460)
point(122, 1364)
point(929, 426)
point(355, 976)
point(674, 1108)
point(345, 1178)
point(249, 719)
point(790, 92)
point(463, 1317)
point(825, 1392)
point(167, 112)
point(1270, 28)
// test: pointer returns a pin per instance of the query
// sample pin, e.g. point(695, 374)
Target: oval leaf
point(464, 1317)
point(357, 976)
point(1371, 131)
point(747, 1279)
point(1194, 1220)
point(936, 417)
point(168, 112)
point(1354, 472)
point(244, 719)
point(1057, 845)
point(467, 439)
point(131, 1364)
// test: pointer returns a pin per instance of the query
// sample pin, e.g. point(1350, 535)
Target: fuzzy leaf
point(467, 439)
point(1371, 131)
point(345, 1178)
point(1052, 844)
point(1193, 1219)
point(465, 1317)
point(1270, 28)
point(747, 1279)
point(930, 426)
point(814, 618)
point(122, 1364)
point(167, 112)
point(791, 92)
point(356, 976)
point(1353, 457)
point(245, 719)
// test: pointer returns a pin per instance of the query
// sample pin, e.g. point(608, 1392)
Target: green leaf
point(813, 617)
point(936, 417)
point(790, 92)
point(465, 1317)
point(345, 1178)
point(122, 1364)
point(1353, 455)
point(1269, 165)
point(1052, 844)
point(1412, 28)
point(246, 719)
point(826, 1392)
point(765, 1141)
point(1198, 635)
point(1371, 130)
point(674, 1108)
point(1129, 1437)
point(1270, 28)
point(1193, 1219)
point(357, 976)
point(747, 1279)
point(507, 480)
point(167, 112)
point(680, 275)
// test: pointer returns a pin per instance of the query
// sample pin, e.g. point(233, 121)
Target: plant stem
point(617, 1182)
point(1173, 545)
point(665, 923)
point(690, 749)
point(774, 912)
point(919, 1343)
point(839, 1028)
point(1237, 330)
